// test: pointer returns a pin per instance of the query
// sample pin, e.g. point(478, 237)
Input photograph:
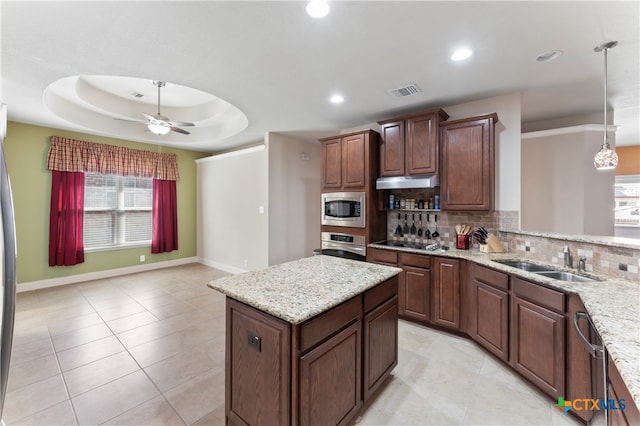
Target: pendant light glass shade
point(606, 158)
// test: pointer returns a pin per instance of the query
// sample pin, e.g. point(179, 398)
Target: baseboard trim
point(73, 279)
point(221, 266)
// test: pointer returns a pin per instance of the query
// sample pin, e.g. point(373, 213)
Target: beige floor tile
point(182, 367)
point(158, 301)
point(89, 352)
point(171, 309)
point(198, 397)
point(130, 322)
point(72, 339)
point(113, 399)
point(23, 373)
point(31, 349)
point(59, 415)
point(214, 418)
point(143, 334)
point(121, 311)
point(61, 326)
point(154, 412)
point(33, 398)
point(98, 373)
point(191, 292)
point(158, 349)
point(101, 303)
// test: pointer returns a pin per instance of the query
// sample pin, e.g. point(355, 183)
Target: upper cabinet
point(467, 162)
point(347, 160)
point(409, 144)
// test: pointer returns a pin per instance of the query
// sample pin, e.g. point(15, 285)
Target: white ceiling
point(279, 66)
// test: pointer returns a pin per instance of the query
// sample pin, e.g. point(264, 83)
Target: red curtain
point(164, 235)
point(65, 218)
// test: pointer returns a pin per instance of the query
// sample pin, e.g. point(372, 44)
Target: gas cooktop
point(407, 244)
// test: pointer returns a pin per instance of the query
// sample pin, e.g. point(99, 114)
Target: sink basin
point(565, 276)
point(525, 266)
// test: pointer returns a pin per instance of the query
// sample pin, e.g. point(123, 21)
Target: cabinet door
point(538, 346)
point(354, 161)
point(467, 164)
point(491, 319)
point(392, 149)
point(414, 288)
point(258, 343)
point(446, 293)
point(380, 345)
point(331, 163)
point(330, 379)
point(422, 145)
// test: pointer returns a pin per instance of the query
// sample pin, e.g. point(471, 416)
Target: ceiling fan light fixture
point(606, 158)
point(159, 129)
point(318, 8)
point(461, 54)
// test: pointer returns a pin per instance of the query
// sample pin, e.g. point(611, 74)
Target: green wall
point(26, 148)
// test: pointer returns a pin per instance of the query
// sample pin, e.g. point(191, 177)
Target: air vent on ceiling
point(408, 90)
point(136, 94)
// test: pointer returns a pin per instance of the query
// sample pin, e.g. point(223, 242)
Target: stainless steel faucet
point(582, 264)
point(568, 259)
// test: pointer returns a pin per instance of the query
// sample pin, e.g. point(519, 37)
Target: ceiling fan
point(158, 123)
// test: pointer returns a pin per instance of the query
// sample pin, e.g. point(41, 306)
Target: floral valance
point(71, 155)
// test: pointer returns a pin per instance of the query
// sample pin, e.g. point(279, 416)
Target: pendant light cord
point(605, 142)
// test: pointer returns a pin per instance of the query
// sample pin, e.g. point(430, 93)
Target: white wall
point(294, 198)
point(562, 191)
point(232, 234)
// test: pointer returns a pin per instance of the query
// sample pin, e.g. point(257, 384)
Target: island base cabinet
point(380, 345)
point(330, 381)
point(538, 346)
point(257, 366)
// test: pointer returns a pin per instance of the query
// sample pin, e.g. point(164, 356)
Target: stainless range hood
point(407, 182)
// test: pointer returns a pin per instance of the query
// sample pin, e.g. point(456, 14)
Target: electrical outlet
point(622, 266)
point(142, 258)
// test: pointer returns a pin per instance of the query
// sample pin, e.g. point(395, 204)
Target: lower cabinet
point(624, 411)
point(538, 336)
point(490, 310)
point(446, 292)
point(414, 287)
point(319, 372)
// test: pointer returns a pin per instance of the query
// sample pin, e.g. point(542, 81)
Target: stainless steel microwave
point(344, 209)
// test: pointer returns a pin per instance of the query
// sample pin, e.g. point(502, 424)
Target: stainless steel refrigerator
point(7, 269)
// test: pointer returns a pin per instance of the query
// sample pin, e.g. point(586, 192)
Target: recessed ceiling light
point(549, 56)
point(336, 99)
point(461, 54)
point(318, 8)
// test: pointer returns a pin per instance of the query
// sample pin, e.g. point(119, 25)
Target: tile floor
point(148, 349)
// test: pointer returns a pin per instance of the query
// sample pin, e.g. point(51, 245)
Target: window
point(117, 210)
point(627, 214)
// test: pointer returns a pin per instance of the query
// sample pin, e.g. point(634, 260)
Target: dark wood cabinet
point(410, 144)
point(467, 163)
point(380, 345)
point(490, 310)
point(446, 292)
point(619, 394)
point(538, 336)
point(414, 289)
point(345, 161)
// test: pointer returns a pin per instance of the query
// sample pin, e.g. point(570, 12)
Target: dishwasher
point(599, 379)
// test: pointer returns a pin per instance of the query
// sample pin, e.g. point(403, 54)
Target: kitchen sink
point(525, 266)
point(565, 276)
point(545, 271)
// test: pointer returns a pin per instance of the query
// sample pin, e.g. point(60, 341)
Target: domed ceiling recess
point(114, 106)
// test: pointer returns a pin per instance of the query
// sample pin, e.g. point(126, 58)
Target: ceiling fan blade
point(130, 120)
point(181, 124)
point(179, 130)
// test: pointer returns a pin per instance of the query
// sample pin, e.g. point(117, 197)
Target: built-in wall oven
point(344, 245)
point(344, 209)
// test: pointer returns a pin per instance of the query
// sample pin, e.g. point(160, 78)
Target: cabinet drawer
point(415, 260)
point(380, 293)
point(490, 277)
point(382, 256)
point(324, 325)
point(536, 293)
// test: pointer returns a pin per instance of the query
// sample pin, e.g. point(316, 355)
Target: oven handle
point(595, 351)
point(345, 247)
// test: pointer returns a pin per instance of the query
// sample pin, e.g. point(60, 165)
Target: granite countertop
point(299, 290)
point(612, 304)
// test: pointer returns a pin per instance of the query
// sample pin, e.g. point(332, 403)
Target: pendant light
point(606, 158)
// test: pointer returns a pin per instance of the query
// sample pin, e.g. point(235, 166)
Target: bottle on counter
point(436, 204)
point(391, 201)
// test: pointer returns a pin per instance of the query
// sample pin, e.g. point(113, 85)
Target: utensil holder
point(463, 241)
point(493, 245)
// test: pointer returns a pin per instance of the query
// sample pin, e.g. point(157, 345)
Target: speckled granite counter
point(614, 307)
point(299, 290)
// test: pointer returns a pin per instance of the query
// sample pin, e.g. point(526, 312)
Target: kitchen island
point(309, 341)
